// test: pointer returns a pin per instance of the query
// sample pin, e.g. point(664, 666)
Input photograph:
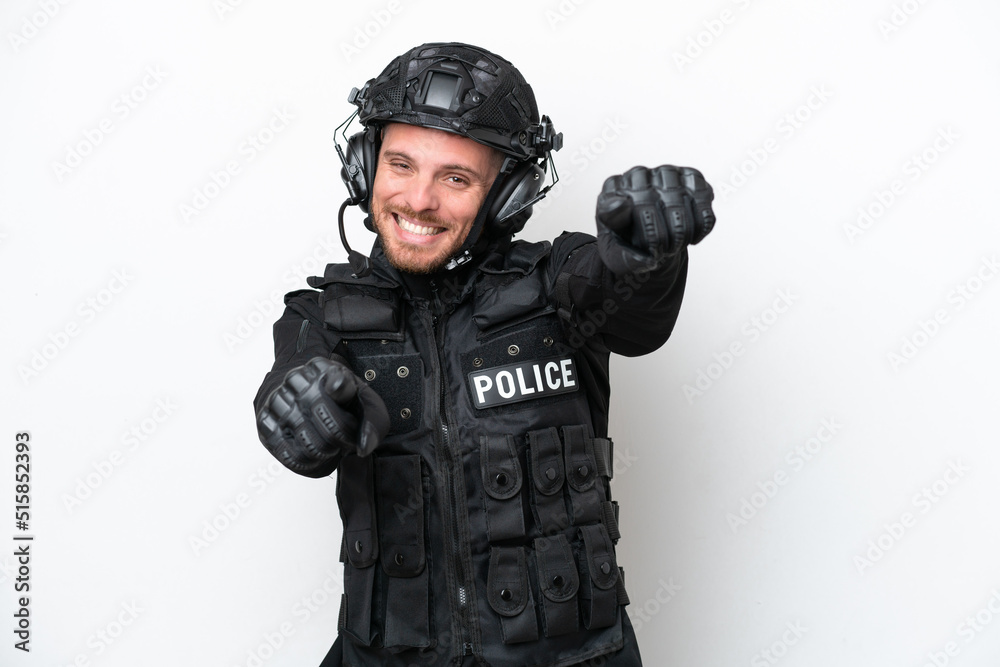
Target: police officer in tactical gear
point(457, 380)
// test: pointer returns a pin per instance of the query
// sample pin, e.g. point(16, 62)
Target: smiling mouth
point(414, 228)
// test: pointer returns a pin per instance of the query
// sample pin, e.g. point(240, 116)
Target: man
point(458, 381)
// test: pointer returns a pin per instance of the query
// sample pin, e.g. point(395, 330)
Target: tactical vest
point(483, 525)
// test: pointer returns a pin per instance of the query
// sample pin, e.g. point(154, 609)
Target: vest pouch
point(502, 477)
point(558, 581)
point(355, 495)
point(509, 594)
point(586, 491)
point(599, 594)
point(507, 295)
point(358, 308)
point(548, 475)
point(401, 550)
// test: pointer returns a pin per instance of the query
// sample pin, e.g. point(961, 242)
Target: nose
point(421, 195)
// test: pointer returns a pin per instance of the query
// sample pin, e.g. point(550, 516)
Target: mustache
point(410, 214)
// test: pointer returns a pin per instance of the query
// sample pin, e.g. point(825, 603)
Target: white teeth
point(413, 228)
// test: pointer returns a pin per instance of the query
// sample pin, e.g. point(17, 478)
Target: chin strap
point(361, 264)
point(476, 241)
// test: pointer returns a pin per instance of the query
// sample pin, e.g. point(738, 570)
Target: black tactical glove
point(319, 412)
point(646, 215)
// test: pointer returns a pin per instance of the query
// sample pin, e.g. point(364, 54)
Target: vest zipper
point(451, 468)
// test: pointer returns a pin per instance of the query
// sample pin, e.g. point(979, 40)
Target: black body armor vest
point(483, 525)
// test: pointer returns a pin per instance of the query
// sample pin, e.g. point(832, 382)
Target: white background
point(843, 547)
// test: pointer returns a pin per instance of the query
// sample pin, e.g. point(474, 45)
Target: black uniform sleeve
point(631, 314)
point(299, 335)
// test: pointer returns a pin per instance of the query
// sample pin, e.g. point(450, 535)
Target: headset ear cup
point(361, 154)
point(519, 186)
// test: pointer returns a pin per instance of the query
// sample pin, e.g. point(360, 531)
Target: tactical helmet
point(462, 89)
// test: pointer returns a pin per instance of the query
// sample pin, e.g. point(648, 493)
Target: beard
point(409, 257)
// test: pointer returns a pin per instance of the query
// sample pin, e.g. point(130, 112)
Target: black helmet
point(462, 89)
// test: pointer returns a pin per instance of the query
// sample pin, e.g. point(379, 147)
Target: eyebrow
point(445, 167)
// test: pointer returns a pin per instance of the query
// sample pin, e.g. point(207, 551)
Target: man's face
point(429, 186)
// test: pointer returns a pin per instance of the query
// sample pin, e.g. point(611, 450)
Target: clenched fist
point(645, 215)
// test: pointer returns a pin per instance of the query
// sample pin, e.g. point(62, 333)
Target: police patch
point(522, 382)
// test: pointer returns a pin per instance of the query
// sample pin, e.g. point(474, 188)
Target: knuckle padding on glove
point(333, 422)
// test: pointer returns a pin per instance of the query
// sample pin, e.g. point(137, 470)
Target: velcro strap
point(604, 454)
point(564, 304)
point(609, 517)
point(620, 588)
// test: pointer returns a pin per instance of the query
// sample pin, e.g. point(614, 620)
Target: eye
point(457, 180)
